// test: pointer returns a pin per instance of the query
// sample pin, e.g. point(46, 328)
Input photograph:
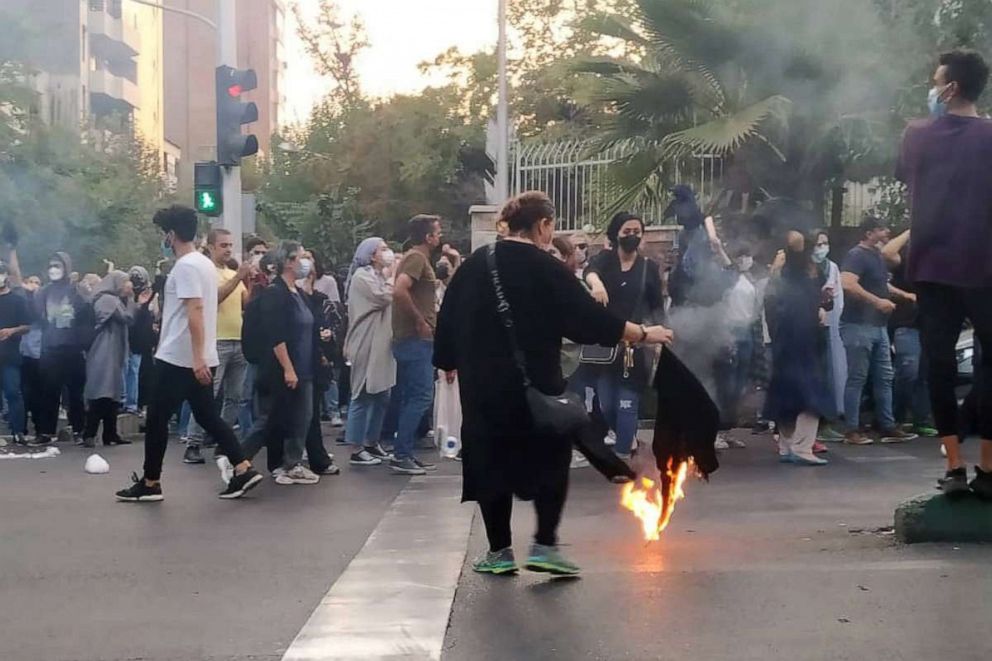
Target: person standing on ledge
point(946, 163)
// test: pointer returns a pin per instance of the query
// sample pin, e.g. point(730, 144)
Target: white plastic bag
point(96, 465)
point(447, 417)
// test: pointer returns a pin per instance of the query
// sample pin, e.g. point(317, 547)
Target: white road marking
point(394, 599)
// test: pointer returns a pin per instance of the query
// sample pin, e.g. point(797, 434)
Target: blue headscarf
point(363, 257)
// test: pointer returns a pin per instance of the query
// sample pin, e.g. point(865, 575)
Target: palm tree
point(724, 78)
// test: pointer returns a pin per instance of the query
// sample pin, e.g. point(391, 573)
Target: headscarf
point(139, 277)
point(618, 221)
point(363, 257)
point(112, 283)
point(684, 207)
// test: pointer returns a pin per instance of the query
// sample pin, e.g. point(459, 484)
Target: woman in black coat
point(798, 394)
point(502, 455)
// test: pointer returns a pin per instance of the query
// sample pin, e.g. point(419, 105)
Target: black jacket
point(277, 311)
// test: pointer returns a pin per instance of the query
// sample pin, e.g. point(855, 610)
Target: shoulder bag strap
point(503, 308)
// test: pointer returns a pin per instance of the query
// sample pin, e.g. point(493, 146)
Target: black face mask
point(629, 243)
point(442, 271)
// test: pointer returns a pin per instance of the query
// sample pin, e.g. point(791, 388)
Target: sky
point(402, 34)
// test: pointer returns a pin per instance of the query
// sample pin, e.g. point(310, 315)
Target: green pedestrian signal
point(208, 197)
point(206, 202)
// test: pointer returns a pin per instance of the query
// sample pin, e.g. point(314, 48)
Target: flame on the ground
point(654, 505)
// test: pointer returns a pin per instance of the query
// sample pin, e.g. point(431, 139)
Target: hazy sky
point(402, 34)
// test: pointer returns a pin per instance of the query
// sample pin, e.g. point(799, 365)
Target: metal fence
point(577, 180)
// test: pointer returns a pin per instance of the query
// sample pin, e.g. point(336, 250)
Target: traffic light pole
point(227, 54)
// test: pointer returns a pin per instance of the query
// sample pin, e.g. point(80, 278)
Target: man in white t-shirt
point(187, 351)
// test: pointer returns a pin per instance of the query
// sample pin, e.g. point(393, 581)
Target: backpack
point(253, 331)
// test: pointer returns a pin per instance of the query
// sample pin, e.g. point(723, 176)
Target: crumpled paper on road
point(48, 453)
point(96, 465)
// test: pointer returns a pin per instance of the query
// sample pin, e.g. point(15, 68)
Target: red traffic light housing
point(232, 113)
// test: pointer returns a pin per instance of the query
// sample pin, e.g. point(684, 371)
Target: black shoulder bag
point(595, 354)
point(554, 415)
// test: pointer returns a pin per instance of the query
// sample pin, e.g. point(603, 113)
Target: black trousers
point(548, 503)
point(173, 386)
point(103, 410)
point(33, 389)
point(270, 432)
point(943, 310)
point(61, 369)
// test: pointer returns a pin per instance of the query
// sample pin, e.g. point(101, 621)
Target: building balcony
point(110, 37)
point(110, 93)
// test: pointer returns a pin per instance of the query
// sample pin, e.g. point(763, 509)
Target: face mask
point(3, 280)
point(55, 273)
point(938, 108)
point(442, 271)
point(304, 268)
point(746, 263)
point(388, 257)
point(167, 250)
point(629, 243)
point(820, 253)
point(256, 260)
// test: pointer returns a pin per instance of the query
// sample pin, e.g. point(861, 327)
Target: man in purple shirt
point(947, 164)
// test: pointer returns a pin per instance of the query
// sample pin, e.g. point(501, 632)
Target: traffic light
point(208, 196)
point(232, 144)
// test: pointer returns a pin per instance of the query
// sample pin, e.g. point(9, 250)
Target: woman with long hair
point(503, 455)
point(798, 395)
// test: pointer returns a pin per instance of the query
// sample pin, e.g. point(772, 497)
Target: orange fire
point(651, 504)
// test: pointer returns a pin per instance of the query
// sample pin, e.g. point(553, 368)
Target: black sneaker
point(139, 492)
point(19, 439)
point(406, 467)
point(88, 443)
point(424, 465)
point(955, 482)
point(377, 452)
point(193, 456)
point(364, 458)
point(39, 441)
point(241, 484)
point(65, 436)
point(982, 484)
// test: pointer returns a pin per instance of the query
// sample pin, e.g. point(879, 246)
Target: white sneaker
point(578, 461)
point(297, 475)
point(226, 469)
point(336, 421)
point(611, 438)
point(721, 443)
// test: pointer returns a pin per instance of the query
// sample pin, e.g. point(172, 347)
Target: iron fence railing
point(577, 179)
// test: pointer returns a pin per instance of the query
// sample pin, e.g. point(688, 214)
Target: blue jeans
point(11, 375)
point(415, 389)
point(620, 402)
point(185, 413)
point(868, 354)
point(131, 368)
point(332, 399)
point(246, 416)
point(911, 392)
point(365, 415)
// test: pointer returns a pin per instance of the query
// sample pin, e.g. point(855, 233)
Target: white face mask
point(3, 280)
point(55, 273)
point(820, 253)
point(256, 260)
point(306, 266)
point(745, 263)
point(388, 257)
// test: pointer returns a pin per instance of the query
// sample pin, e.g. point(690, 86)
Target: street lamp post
point(502, 180)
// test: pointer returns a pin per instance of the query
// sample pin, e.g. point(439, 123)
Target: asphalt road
point(767, 562)
point(85, 578)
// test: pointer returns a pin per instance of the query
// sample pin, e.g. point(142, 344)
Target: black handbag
point(555, 415)
point(595, 354)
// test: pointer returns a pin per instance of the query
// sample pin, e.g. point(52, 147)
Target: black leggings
point(549, 504)
point(102, 410)
point(942, 312)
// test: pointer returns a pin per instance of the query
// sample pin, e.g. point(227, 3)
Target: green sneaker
point(926, 431)
point(496, 562)
point(549, 559)
point(829, 435)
